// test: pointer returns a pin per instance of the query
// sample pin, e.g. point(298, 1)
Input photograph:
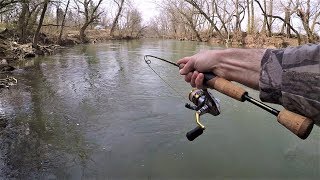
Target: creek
point(98, 111)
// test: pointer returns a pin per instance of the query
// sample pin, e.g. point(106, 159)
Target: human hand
point(240, 65)
point(194, 66)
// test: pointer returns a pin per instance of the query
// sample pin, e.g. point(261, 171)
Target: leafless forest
point(223, 21)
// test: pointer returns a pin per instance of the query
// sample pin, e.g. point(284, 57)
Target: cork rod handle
point(226, 87)
point(299, 125)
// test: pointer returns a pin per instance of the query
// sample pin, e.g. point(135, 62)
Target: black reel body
point(204, 103)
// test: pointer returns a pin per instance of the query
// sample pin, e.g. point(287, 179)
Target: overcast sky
point(147, 8)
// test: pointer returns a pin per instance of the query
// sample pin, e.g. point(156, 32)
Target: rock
point(14, 44)
point(3, 61)
point(29, 55)
point(6, 68)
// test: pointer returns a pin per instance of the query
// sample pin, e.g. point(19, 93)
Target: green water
point(98, 112)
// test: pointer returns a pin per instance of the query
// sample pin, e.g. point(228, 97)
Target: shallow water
point(99, 112)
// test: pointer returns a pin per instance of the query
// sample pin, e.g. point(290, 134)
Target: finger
point(199, 81)
point(189, 67)
point(183, 60)
point(193, 78)
point(188, 77)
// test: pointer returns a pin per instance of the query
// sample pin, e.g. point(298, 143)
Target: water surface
point(98, 112)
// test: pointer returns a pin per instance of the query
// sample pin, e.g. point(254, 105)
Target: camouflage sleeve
point(291, 77)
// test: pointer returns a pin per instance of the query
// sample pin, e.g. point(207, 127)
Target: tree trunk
point(304, 14)
point(263, 30)
point(31, 19)
point(90, 11)
point(238, 28)
point(287, 21)
point(115, 21)
point(36, 35)
point(252, 17)
point(249, 18)
point(22, 21)
point(82, 32)
point(270, 18)
point(63, 22)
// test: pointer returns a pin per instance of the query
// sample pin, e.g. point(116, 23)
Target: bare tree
point(59, 11)
point(90, 11)
point(237, 16)
point(252, 17)
point(209, 17)
point(309, 13)
point(27, 17)
point(270, 20)
point(116, 19)
point(266, 26)
point(278, 17)
point(36, 34)
point(249, 30)
point(185, 18)
point(63, 22)
point(239, 10)
point(133, 26)
point(265, 18)
point(288, 11)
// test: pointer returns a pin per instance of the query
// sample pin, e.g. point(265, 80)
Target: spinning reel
point(204, 103)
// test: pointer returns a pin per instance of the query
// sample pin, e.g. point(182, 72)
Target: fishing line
point(148, 62)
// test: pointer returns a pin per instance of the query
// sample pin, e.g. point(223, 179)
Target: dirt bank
point(257, 41)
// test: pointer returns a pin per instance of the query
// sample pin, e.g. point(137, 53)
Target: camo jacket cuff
point(291, 77)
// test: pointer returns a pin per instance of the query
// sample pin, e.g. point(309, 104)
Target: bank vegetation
point(27, 27)
point(250, 23)
point(35, 27)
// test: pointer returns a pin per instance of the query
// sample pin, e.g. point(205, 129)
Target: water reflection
point(38, 139)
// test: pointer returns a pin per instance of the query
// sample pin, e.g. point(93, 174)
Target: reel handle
point(194, 133)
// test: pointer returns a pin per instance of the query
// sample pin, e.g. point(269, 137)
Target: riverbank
point(257, 41)
point(12, 51)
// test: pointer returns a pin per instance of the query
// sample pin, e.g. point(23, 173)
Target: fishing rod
point(204, 102)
